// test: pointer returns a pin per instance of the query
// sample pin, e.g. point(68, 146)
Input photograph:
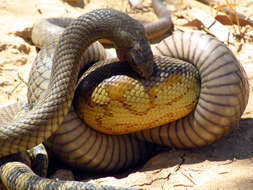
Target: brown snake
point(223, 98)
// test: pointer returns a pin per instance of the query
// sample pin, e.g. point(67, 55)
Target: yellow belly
point(121, 104)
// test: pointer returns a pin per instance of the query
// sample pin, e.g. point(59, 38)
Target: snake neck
point(128, 36)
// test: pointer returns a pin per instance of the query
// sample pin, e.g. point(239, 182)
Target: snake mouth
point(143, 65)
point(145, 69)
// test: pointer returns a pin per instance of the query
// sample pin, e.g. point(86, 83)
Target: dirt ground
point(226, 164)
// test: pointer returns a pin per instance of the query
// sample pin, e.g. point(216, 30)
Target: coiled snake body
point(222, 99)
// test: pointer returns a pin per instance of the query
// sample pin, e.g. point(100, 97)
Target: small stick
point(22, 80)
point(189, 178)
point(14, 88)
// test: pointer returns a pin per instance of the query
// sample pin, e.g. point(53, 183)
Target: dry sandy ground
point(226, 164)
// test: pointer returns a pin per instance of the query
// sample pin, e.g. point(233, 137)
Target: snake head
point(139, 56)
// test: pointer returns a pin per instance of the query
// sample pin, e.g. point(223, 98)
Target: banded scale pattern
point(223, 95)
point(17, 176)
point(84, 148)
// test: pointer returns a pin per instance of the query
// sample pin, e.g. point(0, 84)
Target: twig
point(14, 88)
point(22, 80)
point(189, 178)
point(17, 85)
point(183, 185)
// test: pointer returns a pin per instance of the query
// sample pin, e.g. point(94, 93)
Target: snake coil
point(223, 96)
point(222, 100)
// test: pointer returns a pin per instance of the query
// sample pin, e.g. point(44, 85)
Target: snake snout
point(141, 59)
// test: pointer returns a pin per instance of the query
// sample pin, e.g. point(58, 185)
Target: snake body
point(222, 100)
